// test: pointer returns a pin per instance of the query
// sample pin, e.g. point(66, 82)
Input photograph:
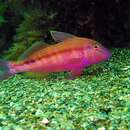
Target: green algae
point(99, 99)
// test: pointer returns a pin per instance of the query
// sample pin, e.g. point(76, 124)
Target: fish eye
point(96, 46)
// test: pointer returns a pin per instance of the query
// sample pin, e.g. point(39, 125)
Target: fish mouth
point(107, 53)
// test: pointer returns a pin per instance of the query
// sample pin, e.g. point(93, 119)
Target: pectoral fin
point(75, 61)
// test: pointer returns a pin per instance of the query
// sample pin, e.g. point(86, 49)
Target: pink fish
point(71, 54)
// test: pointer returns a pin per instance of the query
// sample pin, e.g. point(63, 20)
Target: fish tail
point(5, 71)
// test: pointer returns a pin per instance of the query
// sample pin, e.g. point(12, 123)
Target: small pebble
point(102, 128)
point(45, 121)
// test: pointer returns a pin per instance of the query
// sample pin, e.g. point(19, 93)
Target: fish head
point(97, 53)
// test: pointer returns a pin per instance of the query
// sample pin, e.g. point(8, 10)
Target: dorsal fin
point(60, 36)
point(34, 48)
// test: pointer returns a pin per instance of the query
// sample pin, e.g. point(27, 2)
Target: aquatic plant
point(86, 18)
point(33, 29)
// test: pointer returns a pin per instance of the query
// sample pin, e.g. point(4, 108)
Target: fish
point(70, 53)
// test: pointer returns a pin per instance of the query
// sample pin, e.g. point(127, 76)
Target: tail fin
point(4, 70)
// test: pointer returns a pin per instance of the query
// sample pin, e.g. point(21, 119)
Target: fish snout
point(107, 53)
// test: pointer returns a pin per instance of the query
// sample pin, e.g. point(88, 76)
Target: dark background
point(107, 21)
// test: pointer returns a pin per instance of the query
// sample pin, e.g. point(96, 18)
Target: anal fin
point(36, 75)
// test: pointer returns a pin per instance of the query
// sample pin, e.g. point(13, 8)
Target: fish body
point(71, 54)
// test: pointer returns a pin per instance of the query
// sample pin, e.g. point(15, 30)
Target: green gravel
point(98, 100)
